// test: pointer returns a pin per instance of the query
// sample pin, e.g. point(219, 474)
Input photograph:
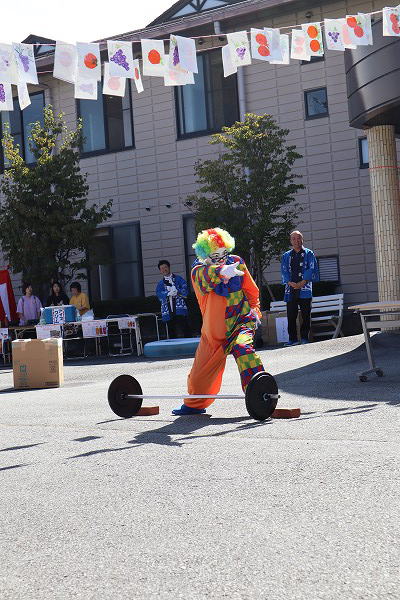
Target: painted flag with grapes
point(8, 66)
point(334, 34)
point(26, 66)
point(239, 47)
point(120, 58)
point(6, 98)
point(182, 54)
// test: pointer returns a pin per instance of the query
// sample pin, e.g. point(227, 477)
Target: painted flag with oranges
point(313, 35)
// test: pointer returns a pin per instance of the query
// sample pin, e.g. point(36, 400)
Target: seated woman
point(79, 299)
point(57, 296)
point(29, 306)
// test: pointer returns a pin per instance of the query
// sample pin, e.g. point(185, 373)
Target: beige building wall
point(337, 215)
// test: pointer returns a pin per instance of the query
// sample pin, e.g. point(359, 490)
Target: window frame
point(363, 165)
point(207, 91)
point(31, 164)
point(320, 115)
point(111, 228)
point(107, 150)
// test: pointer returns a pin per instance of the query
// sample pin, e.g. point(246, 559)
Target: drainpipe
point(240, 80)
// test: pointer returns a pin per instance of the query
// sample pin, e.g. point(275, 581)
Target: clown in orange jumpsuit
point(230, 306)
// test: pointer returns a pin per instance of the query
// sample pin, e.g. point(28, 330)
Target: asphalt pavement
point(210, 506)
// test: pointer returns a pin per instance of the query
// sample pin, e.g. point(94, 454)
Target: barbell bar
point(125, 396)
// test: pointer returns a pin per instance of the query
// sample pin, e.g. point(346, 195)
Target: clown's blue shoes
point(187, 410)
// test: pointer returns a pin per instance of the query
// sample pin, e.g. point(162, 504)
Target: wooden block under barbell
point(286, 413)
point(146, 411)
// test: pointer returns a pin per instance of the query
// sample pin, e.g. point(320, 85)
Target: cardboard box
point(37, 363)
point(274, 328)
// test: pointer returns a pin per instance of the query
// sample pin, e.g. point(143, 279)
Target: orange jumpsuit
point(228, 328)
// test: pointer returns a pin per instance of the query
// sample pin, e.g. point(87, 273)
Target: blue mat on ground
point(175, 347)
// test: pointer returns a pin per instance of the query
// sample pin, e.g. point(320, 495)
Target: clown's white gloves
point(254, 315)
point(228, 271)
point(173, 292)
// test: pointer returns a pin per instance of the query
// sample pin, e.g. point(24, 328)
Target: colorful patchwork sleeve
point(206, 277)
point(251, 291)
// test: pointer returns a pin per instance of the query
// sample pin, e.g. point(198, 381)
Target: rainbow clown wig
point(211, 241)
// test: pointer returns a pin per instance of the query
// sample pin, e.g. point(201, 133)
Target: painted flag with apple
point(391, 21)
point(113, 86)
point(137, 78)
point(359, 28)
point(265, 44)
point(154, 59)
point(89, 63)
point(65, 62)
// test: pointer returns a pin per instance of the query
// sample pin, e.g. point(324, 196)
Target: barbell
point(125, 396)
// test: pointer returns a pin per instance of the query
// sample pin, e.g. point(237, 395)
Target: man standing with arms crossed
point(299, 269)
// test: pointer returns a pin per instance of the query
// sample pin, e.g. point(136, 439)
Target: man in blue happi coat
point(172, 292)
point(299, 269)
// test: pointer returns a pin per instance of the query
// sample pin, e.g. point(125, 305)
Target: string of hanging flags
point(80, 63)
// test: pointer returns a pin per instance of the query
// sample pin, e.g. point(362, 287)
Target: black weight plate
point(258, 407)
point(119, 388)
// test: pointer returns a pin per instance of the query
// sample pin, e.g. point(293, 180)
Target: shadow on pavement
point(181, 426)
point(21, 447)
point(336, 378)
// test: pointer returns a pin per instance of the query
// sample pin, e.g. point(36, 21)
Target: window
point(363, 152)
point(329, 268)
point(20, 123)
point(107, 122)
point(316, 103)
point(211, 102)
point(116, 258)
point(189, 235)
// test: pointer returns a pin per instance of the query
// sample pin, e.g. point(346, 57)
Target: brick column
point(386, 209)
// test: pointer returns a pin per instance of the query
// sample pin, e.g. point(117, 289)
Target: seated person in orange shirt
point(79, 298)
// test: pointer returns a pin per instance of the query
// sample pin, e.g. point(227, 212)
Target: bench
point(326, 311)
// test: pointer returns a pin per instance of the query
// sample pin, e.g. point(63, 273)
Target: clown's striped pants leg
point(247, 360)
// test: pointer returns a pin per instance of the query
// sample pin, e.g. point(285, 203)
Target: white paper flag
point(137, 77)
point(334, 34)
point(391, 21)
point(239, 48)
point(229, 67)
point(89, 63)
point(25, 60)
point(6, 99)
point(314, 41)
point(23, 96)
point(299, 49)
point(154, 59)
point(346, 35)
point(86, 89)
point(8, 66)
point(121, 58)
point(173, 77)
point(284, 41)
point(359, 28)
point(182, 53)
point(113, 86)
point(265, 44)
point(65, 62)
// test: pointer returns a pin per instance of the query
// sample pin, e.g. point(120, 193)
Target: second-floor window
point(107, 122)
point(211, 102)
point(20, 123)
point(316, 103)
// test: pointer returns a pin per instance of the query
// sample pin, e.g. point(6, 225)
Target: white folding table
point(371, 314)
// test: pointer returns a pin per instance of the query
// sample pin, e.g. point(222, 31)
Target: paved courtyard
point(211, 506)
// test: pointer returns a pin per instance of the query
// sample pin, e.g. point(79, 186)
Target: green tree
point(46, 224)
point(250, 190)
